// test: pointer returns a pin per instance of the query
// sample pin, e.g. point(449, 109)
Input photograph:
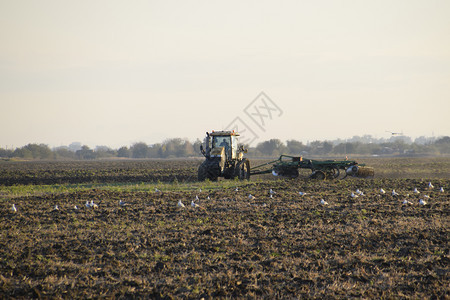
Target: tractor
point(224, 157)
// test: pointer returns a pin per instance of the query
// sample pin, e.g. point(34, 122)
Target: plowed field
point(232, 245)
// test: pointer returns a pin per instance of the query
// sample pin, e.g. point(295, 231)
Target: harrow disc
point(333, 173)
point(319, 175)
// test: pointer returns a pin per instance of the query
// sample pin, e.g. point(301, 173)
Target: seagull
point(301, 193)
point(430, 185)
point(353, 195)
point(88, 205)
point(382, 191)
point(359, 192)
point(196, 198)
point(271, 192)
point(157, 191)
point(56, 207)
point(426, 196)
point(422, 202)
point(441, 190)
point(323, 202)
point(200, 190)
point(194, 205)
point(251, 196)
point(406, 202)
point(93, 205)
point(75, 207)
point(394, 193)
point(236, 190)
point(271, 196)
point(208, 198)
point(13, 208)
point(180, 204)
point(122, 203)
point(416, 191)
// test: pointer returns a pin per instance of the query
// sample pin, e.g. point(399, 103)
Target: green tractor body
point(223, 157)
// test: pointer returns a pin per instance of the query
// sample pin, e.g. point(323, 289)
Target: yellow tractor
point(224, 157)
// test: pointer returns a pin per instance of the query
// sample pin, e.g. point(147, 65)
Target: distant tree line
point(395, 146)
point(177, 147)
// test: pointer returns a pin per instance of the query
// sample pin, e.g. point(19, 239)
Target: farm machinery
point(288, 166)
point(224, 158)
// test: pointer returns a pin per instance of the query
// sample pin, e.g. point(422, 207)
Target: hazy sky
point(118, 72)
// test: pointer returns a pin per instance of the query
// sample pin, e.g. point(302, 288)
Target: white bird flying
point(430, 185)
point(13, 208)
point(353, 195)
point(441, 190)
point(422, 202)
point(416, 191)
point(180, 204)
point(394, 193)
point(382, 191)
point(323, 202)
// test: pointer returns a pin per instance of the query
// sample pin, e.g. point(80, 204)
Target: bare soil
point(285, 246)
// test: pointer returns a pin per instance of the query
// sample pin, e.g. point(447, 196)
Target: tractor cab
point(228, 142)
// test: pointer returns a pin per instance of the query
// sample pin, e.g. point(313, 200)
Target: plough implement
point(224, 157)
point(288, 166)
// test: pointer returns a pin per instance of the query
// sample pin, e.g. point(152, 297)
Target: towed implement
point(224, 157)
point(288, 166)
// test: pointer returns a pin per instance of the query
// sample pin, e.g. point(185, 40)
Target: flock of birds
point(422, 201)
point(195, 205)
point(355, 194)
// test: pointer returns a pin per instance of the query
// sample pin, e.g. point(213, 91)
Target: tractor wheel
point(207, 170)
point(202, 172)
point(243, 169)
point(212, 175)
point(319, 175)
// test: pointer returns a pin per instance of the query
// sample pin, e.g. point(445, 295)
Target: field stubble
point(284, 246)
